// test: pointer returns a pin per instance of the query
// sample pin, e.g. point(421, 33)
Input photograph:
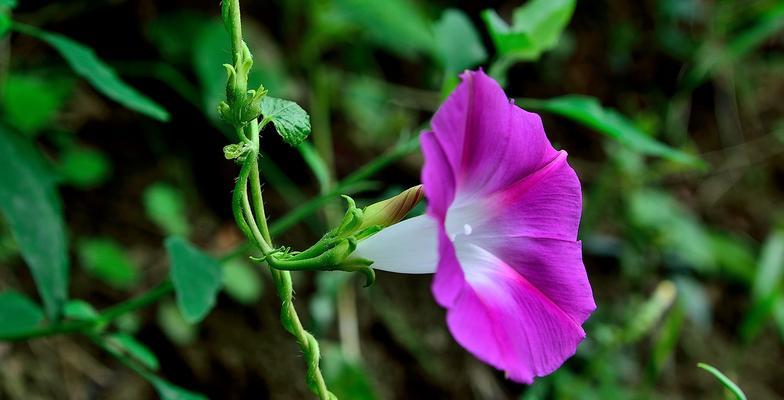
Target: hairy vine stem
point(251, 218)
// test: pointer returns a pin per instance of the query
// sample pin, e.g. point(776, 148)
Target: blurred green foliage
point(681, 225)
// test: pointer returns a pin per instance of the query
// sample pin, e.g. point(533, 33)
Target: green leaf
point(8, 4)
point(105, 259)
point(18, 314)
point(31, 206)
point(137, 350)
point(709, 59)
point(80, 310)
point(290, 120)
point(86, 64)
point(536, 28)
point(165, 205)
point(176, 328)
point(164, 29)
point(729, 384)
point(169, 391)
point(771, 266)
point(395, 24)
point(83, 167)
point(30, 102)
point(316, 164)
point(458, 44)
point(241, 282)
point(676, 228)
point(766, 286)
point(345, 378)
point(589, 112)
point(5, 24)
point(196, 277)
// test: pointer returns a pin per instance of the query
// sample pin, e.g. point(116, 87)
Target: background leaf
point(83, 167)
point(395, 24)
point(87, 65)
point(196, 277)
point(137, 350)
point(165, 205)
point(31, 206)
point(536, 27)
point(18, 313)
point(80, 310)
point(291, 121)
point(241, 282)
point(729, 384)
point(30, 102)
point(589, 112)
point(458, 44)
point(106, 260)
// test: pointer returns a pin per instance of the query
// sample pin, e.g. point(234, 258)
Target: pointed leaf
point(291, 121)
point(165, 205)
point(459, 45)
point(80, 310)
point(86, 64)
point(196, 277)
point(536, 27)
point(589, 112)
point(18, 314)
point(132, 347)
point(729, 384)
point(106, 260)
point(31, 206)
point(241, 282)
point(169, 391)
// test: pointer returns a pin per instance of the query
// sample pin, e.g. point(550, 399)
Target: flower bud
point(392, 210)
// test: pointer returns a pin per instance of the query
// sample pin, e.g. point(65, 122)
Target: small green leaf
point(132, 347)
point(106, 260)
point(31, 206)
point(729, 384)
point(316, 164)
point(83, 167)
point(536, 27)
point(5, 24)
point(291, 121)
point(30, 102)
point(459, 45)
point(771, 266)
point(169, 391)
point(165, 205)
point(398, 25)
point(196, 277)
point(176, 328)
point(86, 64)
point(241, 282)
point(589, 112)
point(18, 314)
point(80, 310)
point(346, 378)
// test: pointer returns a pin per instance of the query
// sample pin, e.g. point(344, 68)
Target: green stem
point(106, 316)
point(235, 29)
point(278, 227)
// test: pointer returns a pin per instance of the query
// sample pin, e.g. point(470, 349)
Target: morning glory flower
point(500, 233)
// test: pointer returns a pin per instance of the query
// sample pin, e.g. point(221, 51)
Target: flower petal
point(545, 204)
point(505, 320)
point(408, 247)
point(437, 176)
point(489, 142)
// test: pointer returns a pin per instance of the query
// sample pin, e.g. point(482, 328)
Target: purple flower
point(500, 233)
